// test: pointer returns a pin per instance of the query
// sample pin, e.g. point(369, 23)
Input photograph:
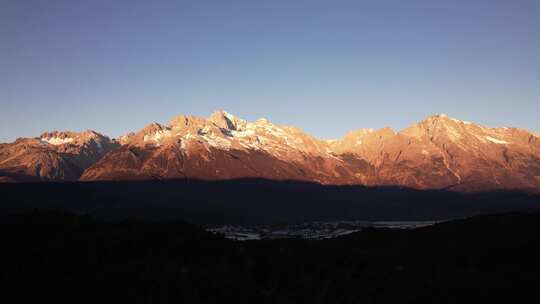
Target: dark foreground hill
point(57, 256)
point(254, 201)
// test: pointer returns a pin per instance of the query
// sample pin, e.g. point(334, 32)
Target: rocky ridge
point(439, 152)
point(53, 156)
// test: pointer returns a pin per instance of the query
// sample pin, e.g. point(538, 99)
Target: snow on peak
point(461, 121)
point(226, 120)
point(124, 139)
point(157, 136)
point(229, 116)
point(90, 134)
point(56, 141)
point(262, 121)
point(446, 117)
point(58, 138)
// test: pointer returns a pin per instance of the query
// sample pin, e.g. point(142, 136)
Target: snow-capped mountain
point(437, 153)
point(443, 152)
point(52, 155)
point(222, 147)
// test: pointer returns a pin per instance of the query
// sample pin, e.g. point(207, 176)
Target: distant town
point(310, 230)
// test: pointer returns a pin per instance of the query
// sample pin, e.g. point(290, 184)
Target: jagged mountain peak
point(185, 121)
point(225, 120)
point(56, 155)
point(152, 128)
point(263, 121)
point(365, 133)
point(444, 119)
point(69, 137)
point(442, 127)
point(221, 129)
point(125, 139)
point(437, 152)
point(57, 137)
point(386, 131)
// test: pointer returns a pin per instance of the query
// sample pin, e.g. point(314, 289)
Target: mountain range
point(439, 152)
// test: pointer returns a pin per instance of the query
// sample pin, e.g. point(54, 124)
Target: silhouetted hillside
point(254, 201)
point(54, 255)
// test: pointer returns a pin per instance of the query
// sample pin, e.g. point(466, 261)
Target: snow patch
point(263, 120)
point(57, 140)
point(229, 116)
point(497, 141)
point(217, 142)
point(188, 136)
point(157, 136)
point(273, 130)
point(249, 131)
point(461, 121)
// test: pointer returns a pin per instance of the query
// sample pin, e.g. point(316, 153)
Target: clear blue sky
point(324, 66)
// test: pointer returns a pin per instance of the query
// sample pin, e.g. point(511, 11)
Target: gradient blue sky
point(327, 67)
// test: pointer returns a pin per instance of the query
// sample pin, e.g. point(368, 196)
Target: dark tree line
point(56, 256)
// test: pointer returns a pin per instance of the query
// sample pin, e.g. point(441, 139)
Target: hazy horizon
point(326, 67)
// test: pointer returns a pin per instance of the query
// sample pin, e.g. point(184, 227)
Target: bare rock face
point(437, 153)
point(446, 153)
point(53, 156)
point(224, 147)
